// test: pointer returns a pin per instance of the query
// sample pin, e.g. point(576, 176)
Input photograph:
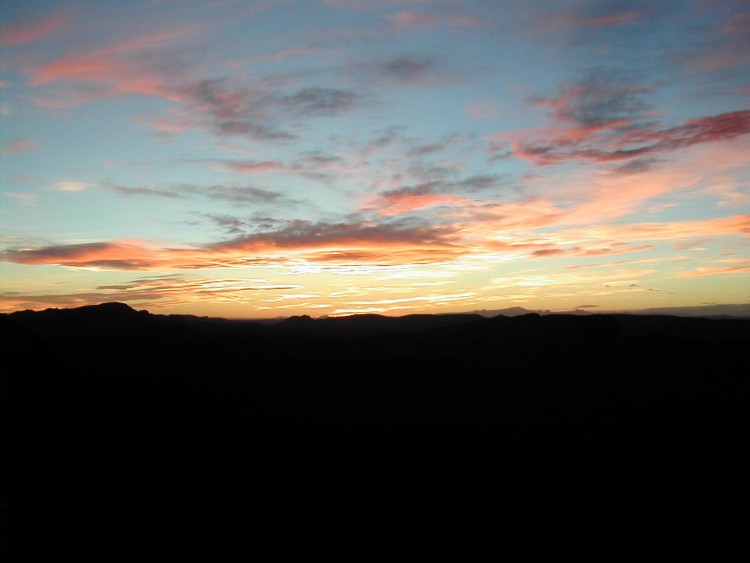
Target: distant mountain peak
point(112, 306)
point(113, 309)
point(507, 312)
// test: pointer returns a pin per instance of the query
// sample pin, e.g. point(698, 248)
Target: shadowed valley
point(373, 439)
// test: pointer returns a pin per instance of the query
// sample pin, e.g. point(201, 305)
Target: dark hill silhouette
point(117, 322)
point(110, 320)
point(507, 312)
point(369, 438)
point(107, 320)
point(362, 325)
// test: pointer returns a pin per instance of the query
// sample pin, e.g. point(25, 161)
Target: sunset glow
point(269, 158)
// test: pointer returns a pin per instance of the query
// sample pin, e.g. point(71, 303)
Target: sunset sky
point(271, 158)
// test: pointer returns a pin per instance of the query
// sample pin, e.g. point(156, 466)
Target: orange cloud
point(413, 202)
point(700, 272)
point(156, 291)
point(300, 243)
point(104, 255)
point(260, 167)
point(734, 225)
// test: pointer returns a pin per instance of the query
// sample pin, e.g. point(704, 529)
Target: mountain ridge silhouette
point(372, 438)
point(115, 319)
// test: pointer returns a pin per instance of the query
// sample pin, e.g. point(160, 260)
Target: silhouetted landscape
point(435, 438)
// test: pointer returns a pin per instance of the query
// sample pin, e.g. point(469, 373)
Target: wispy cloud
point(715, 271)
point(727, 46)
point(631, 144)
point(235, 226)
point(372, 4)
point(433, 193)
point(20, 32)
point(241, 195)
point(602, 98)
point(411, 19)
point(19, 145)
point(247, 195)
point(316, 100)
point(23, 198)
point(150, 287)
point(364, 146)
point(315, 165)
point(607, 119)
point(131, 67)
point(396, 242)
point(95, 255)
point(150, 65)
point(598, 15)
point(393, 242)
point(256, 113)
point(155, 292)
point(71, 186)
point(149, 192)
point(482, 109)
point(409, 70)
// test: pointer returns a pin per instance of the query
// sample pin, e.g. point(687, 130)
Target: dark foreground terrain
point(130, 436)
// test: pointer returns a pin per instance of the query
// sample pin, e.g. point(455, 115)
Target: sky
point(268, 158)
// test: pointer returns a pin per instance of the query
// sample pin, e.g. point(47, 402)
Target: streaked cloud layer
point(264, 158)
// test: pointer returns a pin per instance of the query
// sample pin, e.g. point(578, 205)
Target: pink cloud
point(174, 122)
point(19, 146)
point(257, 167)
point(731, 46)
point(613, 142)
point(311, 165)
point(618, 196)
point(513, 227)
point(594, 118)
point(230, 110)
point(124, 68)
point(482, 109)
point(304, 51)
point(411, 19)
point(18, 33)
point(56, 104)
point(369, 4)
point(598, 99)
point(568, 21)
point(702, 130)
point(718, 60)
point(593, 197)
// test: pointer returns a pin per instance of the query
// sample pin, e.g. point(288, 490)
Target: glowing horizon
point(273, 158)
